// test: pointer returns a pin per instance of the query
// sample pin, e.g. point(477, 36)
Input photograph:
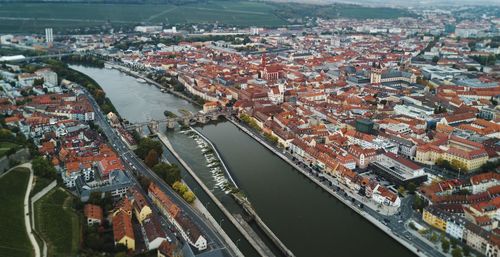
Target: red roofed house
point(108, 164)
point(123, 231)
point(93, 213)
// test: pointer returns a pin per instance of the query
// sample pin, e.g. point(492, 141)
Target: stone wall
point(8, 162)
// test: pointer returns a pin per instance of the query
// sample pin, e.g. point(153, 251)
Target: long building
point(189, 231)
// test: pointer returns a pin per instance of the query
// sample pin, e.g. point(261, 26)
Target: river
point(308, 220)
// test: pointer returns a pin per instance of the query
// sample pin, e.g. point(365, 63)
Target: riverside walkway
point(359, 211)
point(248, 207)
point(263, 250)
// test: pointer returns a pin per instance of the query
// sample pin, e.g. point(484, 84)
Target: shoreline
point(253, 243)
point(368, 217)
point(218, 232)
point(362, 213)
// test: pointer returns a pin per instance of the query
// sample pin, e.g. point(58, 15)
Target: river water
point(309, 221)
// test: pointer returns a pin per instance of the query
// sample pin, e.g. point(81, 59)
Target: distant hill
point(176, 2)
point(74, 16)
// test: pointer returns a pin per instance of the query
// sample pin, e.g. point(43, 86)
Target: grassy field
point(5, 146)
point(57, 223)
point(14, 240)
point(40, 183)
point(33, 17)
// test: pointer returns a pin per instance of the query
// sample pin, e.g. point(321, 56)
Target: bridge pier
point(139, 130)
point(170, 124)
point(154, 126)
point(201, 119)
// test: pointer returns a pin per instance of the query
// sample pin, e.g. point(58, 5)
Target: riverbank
point(304, 216)
point(255, 244)
point(218, 156)
point(359, 211)
point(245, 204)
point(137, 75)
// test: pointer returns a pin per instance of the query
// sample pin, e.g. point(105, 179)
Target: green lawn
point(14, 240)
point(57, 223)
point(40, 183)
point(5, 146)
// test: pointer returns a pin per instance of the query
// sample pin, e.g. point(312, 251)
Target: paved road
point(27, 219)
point(134, 163)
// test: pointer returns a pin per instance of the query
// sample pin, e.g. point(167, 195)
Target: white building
point(455, 228)
point(48, 76)
point(148, 29)
point(49, 37)
point(414, 111)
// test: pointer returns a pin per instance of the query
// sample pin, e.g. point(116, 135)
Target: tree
point(433, 237)
point(147, 144)
point(490, 165)
point(412, 187)
point(189, 196)
point(38, 82)
point(456, 252)
point(445, 245)
point(169, 173)
point(419, 203)
point(453, 243)
point(43, 168)
point(401, 190)
point(443, 163)
point(440, 109)
point(152, 158)
point(180, 187)
point(458, 166)
point(466, 250)
point(144, 182)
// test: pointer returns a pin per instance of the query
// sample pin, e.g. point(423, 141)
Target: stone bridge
point(185, 120)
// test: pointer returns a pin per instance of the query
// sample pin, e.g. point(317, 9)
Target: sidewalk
point(381, 209)
point(27, 216)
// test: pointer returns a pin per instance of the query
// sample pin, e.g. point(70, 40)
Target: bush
point(189, 196)
point(250, 122)
point(180, 187)
point(445, 245)
point(271, 138)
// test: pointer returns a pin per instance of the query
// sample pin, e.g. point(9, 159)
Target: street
point(132, 162)
point(393, 225)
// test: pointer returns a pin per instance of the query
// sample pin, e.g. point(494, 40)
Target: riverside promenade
point(248, 207)
point(263, 250)
point(359, 211)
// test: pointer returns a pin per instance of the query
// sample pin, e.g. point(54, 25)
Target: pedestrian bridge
point(187, 119)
